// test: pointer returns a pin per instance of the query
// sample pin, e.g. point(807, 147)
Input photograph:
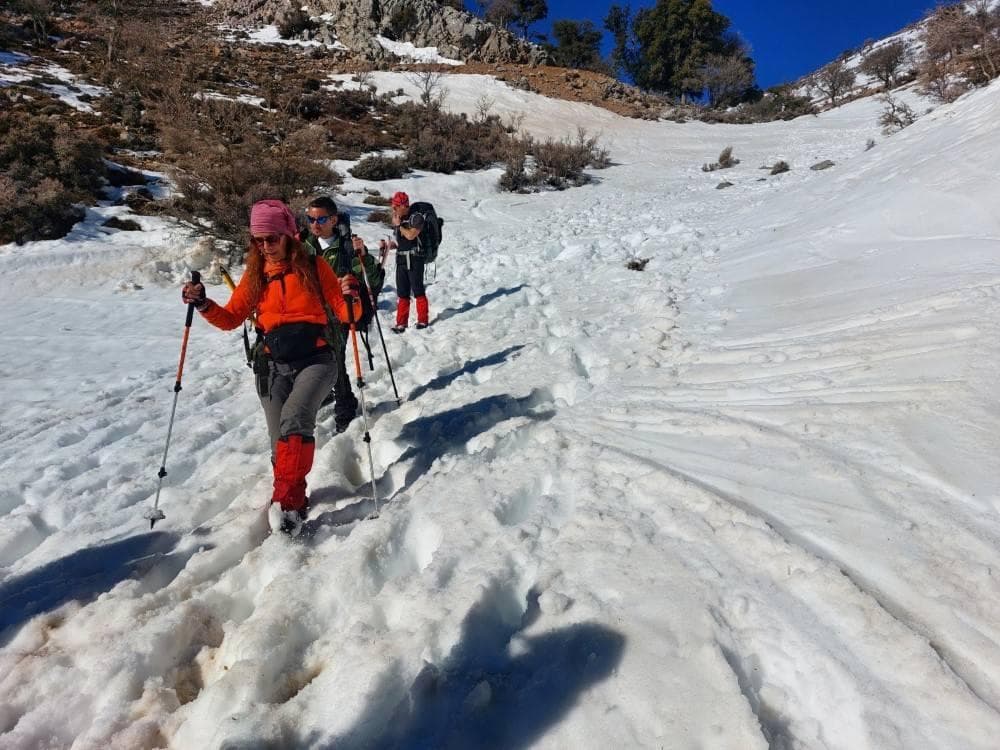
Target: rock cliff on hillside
point(424, 23)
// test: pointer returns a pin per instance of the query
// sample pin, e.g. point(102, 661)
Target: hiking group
point(307, 293)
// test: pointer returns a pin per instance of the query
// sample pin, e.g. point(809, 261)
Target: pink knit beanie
point(272, 217)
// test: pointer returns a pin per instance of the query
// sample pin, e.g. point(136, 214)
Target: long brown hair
point(301, 264)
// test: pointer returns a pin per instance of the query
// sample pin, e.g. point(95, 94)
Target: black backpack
point(429, 239)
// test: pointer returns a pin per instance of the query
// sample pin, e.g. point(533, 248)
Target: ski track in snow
point(776, 503)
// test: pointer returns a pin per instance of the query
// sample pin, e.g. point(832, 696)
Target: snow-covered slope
point(743, 499)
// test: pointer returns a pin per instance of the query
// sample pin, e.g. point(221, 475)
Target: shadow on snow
point(443, 381)
point(451, 312)
point(483, 695)
point(430, 438)
point(84, 575)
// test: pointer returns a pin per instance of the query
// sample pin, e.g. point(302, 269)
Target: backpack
point(429, 240)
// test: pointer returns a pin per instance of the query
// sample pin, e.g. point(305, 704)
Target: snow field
point(743, 499)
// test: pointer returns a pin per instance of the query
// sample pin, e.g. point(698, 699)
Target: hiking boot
point(291, 521)
point(341, 423)
point(422, 326)
point(398, 329)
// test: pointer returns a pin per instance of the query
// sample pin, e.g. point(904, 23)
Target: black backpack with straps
point(429, 239)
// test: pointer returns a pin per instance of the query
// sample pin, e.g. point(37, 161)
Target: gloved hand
point(194, 294)
point(349, 286)
point(416, 221)
point(359, 245)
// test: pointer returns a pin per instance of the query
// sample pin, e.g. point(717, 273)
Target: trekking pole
point(246, 337)
point(364, 406)
point(155, 514)
point(378, 326)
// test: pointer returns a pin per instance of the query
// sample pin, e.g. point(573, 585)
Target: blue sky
point(789, 37)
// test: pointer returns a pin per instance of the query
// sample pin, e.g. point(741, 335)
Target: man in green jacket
point(330, 237)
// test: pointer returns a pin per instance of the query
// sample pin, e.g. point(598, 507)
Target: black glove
point(194, 294)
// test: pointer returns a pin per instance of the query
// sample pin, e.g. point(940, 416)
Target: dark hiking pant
point(409, 276)
point(345, 403)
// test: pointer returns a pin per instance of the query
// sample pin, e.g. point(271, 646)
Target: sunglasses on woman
point(271, 239)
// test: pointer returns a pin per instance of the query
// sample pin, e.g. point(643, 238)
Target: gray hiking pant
point(294, 397)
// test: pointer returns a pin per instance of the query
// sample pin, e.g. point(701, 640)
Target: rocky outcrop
point(424, 23)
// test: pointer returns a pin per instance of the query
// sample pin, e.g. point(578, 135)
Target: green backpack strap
point(334, 334)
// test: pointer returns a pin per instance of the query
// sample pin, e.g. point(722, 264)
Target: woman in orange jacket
point(288, 293)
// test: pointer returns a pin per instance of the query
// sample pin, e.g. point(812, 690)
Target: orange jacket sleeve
point(334, 297)
point(235, 311)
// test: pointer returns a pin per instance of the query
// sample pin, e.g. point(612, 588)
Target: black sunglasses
point(321, 220)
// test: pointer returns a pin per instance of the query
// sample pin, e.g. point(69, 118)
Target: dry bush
point(896, 115)
point(780, 167)
point(383, 217)
point(961, 49)
point(439, 141)
point(834, 81)
point(430, 85)
point(376, 200)
point(45, 168)
point(379, 167)
point(726, 161)
point(227, 155)
point(555, 164)
point(885, 63)
point(40, 16)
point(515, 178)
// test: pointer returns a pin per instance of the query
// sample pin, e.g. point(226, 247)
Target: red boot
point(402, 315)
point(293, 460)
point(423, 312)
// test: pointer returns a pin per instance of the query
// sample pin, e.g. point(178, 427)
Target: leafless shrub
point(430, 87)
point(780, 167)
point(484, 105)
point(961, 48)
point(885, 63)
point(726, 161)
point(515, 178)
point(553, 164)
point(727, 78)
point(227, 155)
point(834, 81)
point(896, 115)
point(376, 200)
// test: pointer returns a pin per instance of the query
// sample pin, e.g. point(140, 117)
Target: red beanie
point(272, 217)
point(400, 199)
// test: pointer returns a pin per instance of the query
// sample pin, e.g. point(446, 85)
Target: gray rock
point(822, 165)
point(356, 23)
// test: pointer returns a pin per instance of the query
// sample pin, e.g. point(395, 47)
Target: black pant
point(345, 404)
point(409, 276)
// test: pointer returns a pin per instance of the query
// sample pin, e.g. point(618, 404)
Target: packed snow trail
point(743, 499)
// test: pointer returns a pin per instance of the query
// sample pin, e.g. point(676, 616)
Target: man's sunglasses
point(321, 220)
